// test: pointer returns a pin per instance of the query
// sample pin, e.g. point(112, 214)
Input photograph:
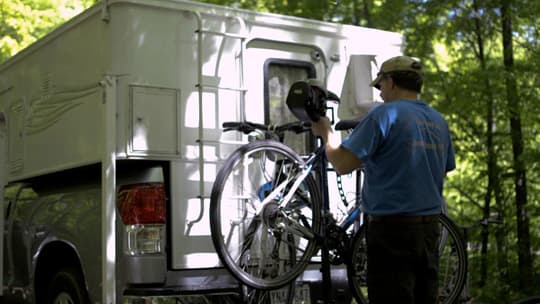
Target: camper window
point(279, 75)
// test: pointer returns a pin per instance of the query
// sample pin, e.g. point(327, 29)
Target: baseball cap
point(398, 63)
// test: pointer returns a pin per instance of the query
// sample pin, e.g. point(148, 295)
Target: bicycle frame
point(316, 160)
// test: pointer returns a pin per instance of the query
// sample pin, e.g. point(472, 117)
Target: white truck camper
point(110, 139)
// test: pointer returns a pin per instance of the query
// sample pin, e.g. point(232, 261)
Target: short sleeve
point(364, 139)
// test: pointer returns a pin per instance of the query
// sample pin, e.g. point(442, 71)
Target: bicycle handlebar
point(247, 127)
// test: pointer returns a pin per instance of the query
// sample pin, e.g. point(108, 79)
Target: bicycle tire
point(453, 276)
point(264, 250)
point(452, 264)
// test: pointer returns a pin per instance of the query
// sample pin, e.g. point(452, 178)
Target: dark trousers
point(403, 262)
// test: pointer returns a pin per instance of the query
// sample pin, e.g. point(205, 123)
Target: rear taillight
point(142, 209)
point(142, 204)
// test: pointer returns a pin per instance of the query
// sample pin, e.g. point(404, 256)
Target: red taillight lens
point(142, 203)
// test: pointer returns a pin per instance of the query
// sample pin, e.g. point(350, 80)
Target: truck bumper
point(223, 288)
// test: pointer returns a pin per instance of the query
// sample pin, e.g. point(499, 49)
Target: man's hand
point(341, 159)
point(321, 128)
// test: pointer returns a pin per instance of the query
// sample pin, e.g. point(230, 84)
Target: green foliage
point(471, 81)
point(24, 21)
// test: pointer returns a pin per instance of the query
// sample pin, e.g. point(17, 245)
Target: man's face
point(385, 85)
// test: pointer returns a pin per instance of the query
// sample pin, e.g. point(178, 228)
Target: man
point(405, 148)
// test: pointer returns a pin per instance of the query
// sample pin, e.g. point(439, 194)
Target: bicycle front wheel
point(262, 235)
point(452, 264)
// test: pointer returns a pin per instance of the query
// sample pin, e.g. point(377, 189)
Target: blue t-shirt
point(406, 149)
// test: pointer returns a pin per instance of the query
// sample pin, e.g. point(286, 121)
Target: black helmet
point(307, 100)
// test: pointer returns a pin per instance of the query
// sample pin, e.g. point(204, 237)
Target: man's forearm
point(341, 159)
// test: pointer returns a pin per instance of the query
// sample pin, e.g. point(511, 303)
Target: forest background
point(482, 60)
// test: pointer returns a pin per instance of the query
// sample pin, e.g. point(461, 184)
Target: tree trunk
point(520, 180)
point(491, 156)
point(362, 12)
point(367, 14)
point(502, 256)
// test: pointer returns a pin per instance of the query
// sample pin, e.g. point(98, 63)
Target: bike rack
point(325, 258)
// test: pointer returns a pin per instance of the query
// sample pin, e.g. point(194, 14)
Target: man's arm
point(341, 159)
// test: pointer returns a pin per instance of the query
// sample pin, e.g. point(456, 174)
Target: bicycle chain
point(341, 191)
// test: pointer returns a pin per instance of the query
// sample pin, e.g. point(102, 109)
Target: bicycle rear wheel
point(262, 241)
point(452, 264)
point(357, 266)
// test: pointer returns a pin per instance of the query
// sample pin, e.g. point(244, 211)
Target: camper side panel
point(53, 101)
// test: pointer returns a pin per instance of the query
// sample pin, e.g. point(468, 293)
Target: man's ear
point(393, 85)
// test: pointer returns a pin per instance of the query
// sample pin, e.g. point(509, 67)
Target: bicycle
point(269, 217)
